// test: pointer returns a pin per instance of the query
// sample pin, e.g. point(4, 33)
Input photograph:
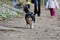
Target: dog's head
point(29, 18)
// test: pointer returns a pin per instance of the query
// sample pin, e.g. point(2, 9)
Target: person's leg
point(35, 7)
point(39, 11)
point(52, 11)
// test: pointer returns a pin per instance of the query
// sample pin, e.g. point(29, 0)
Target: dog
point(29, 17)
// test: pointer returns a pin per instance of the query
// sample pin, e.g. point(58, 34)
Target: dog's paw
point(31, 26)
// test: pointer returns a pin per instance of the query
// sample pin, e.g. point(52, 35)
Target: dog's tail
point(25, 9)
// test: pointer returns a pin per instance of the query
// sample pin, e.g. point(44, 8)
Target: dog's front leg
point(32, 25)
point(27, 25)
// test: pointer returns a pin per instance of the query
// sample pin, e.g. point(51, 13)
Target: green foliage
point(8, 11)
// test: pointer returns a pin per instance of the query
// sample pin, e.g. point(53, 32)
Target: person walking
point(52, 5)
point(37, 9)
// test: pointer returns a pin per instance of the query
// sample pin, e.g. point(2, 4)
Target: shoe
point(38, 15)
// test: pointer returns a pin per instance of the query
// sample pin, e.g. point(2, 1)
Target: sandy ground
point(45, 28)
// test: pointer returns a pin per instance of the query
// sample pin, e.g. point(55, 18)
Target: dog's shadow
point(21, 27)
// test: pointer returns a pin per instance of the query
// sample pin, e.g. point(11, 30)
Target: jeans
point(37, 7)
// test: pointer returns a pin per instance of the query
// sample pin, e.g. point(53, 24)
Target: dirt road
point(45, 28)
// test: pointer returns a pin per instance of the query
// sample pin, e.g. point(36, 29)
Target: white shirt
point(52, 4)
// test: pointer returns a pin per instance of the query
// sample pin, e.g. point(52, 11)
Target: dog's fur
point(28, 17)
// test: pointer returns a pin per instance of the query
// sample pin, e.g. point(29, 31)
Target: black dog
point(29, 17)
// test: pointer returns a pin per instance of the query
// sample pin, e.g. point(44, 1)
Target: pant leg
point(35, 7)
point(52, 12)
point(39, 9)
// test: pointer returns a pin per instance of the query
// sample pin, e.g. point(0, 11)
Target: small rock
point(58, 25)
point(57, 34)
point(46, 30)
point(36, 32)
